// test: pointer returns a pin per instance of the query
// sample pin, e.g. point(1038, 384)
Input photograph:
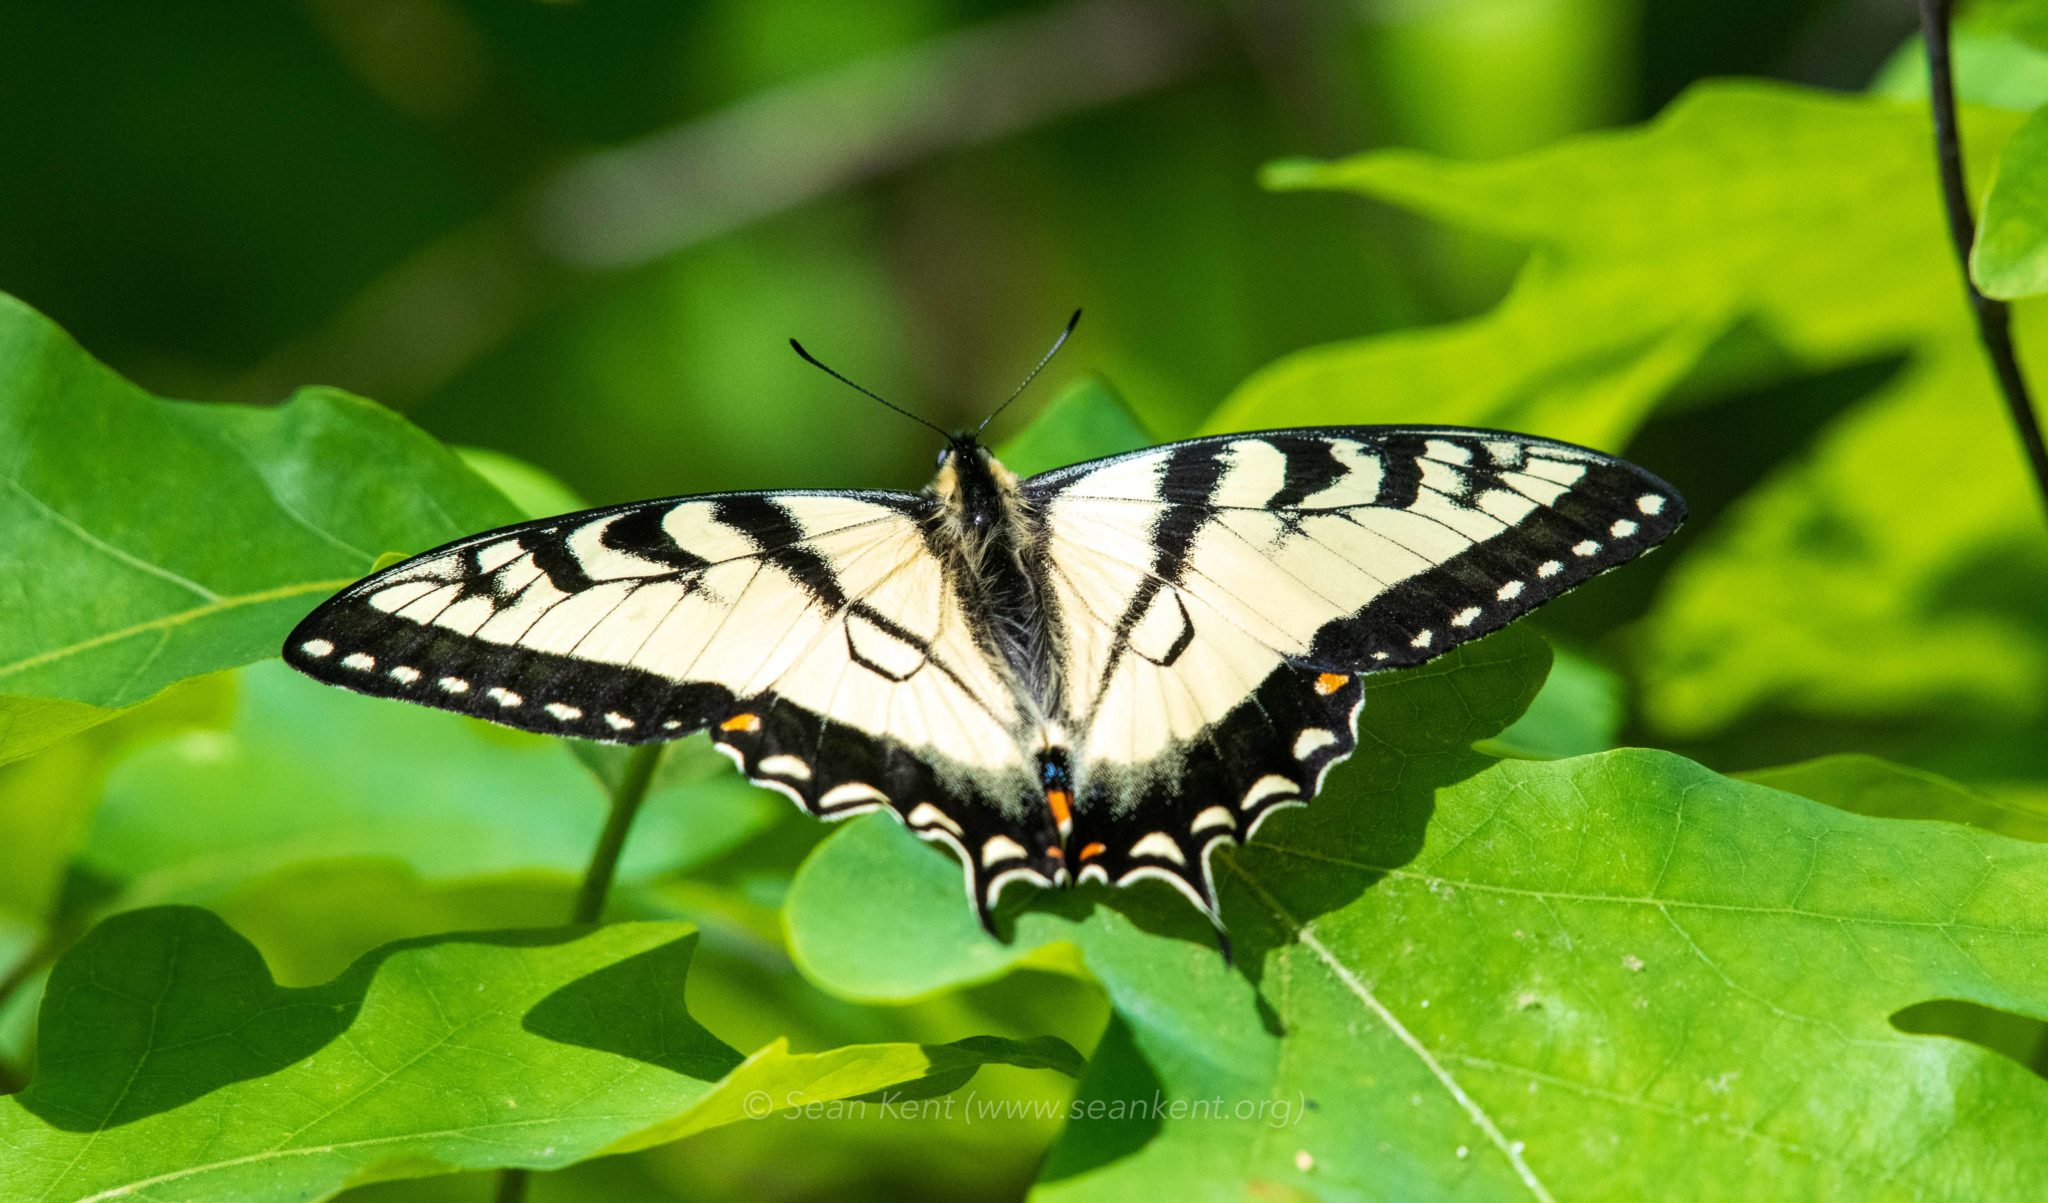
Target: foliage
point(131, 592)
point(2010, 259)
point(171, 1064)
point(262, 939)
point(1729, 239)
point(1616, 976)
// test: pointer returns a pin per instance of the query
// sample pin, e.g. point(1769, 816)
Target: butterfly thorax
point(992, 536)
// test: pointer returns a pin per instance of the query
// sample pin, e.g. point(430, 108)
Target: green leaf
point(2010, 258)
point(171, 1066)
point(1992, 66)
point(1617, 976)
point(1866, 785)
point(122, 584)
point(1646, 246)
point(2026, 20)
point(875, 1079)
point(306, 773)
point(1085, 421)
point(536, 493)
point(1578, 711)
point(27, 724)
point(1752, 235)
point(1891, 578)
point(47, 801)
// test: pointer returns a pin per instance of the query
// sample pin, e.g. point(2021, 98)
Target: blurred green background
point(580, 233)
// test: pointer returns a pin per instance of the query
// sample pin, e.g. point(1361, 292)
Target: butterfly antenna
point(865, 392)
point(1057, 343)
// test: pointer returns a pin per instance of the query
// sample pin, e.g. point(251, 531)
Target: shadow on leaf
point(158, 1007)
point(635, 1009)
point(1415, 738)
point(2021, 1039)
point(1107, 1120)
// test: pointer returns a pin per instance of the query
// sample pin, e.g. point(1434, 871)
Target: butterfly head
point(973, 486)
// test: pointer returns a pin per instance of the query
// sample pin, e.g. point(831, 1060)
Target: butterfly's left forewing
point(816, 635)
point(1220, 600)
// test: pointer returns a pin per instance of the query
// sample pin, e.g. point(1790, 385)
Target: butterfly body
point(1099, 673)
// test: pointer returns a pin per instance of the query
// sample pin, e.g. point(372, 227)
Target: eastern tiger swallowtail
point(1100, 672)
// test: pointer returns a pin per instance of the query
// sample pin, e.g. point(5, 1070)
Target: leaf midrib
point(1651, 901)
point(1511, 1150)
point(168, 621)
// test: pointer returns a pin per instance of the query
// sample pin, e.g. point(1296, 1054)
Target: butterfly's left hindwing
point(817, 635)
point(1219, 601)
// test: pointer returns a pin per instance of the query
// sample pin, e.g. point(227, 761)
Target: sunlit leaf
point(1646, 245)
point(1896, 572)
point(534, 492)
point(1992, 65)
point(146, 541)
point(2010, 258)
point(1893, 569)
point(1866, 785)
point(1616, 976)
point(47, 800)
point(1579, 710)
point(171, 1066)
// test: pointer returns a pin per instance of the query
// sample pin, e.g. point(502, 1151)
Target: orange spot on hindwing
point(1329, 683)
point(1091, 851)
point(741, 722)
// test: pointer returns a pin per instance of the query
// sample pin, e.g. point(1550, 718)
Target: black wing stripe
point(779, 537)
point(1191, 472)
point(502, 684)
point(640, 533)
point(1401, 459)
point(558, 563)
point(1312, 466)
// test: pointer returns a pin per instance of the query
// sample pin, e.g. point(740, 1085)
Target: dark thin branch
point(596, 888)
point(1994, 317)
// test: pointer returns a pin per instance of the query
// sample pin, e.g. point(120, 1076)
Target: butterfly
point(1099, 673)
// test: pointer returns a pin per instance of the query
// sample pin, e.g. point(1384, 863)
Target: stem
point(1994, 317)
point(511, 1187)
point(604, 859)
point(597, 883)
point(60, 935)
point(32, 962)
